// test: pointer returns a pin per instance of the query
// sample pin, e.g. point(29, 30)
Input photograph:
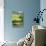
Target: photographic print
point(17, 18)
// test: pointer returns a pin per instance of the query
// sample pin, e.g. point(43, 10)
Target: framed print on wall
point(17, 18)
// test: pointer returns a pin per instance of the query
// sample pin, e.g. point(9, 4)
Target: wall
point(29, 7)
point(42, 6)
